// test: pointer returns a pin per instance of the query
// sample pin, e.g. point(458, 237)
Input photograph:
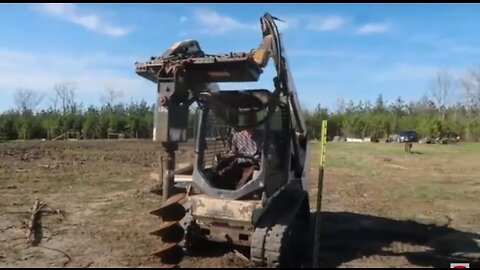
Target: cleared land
point(378, 201)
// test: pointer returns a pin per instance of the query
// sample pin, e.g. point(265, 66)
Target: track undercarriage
point(278, 241)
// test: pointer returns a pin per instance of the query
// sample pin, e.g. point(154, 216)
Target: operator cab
point(230, 156)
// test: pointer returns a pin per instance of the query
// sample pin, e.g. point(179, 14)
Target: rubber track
point(257, 247)
point(277, 247)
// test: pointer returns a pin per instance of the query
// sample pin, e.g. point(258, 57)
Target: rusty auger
point(171, 232)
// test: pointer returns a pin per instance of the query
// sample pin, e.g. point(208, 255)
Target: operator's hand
point(227, 156)
point(230, 154)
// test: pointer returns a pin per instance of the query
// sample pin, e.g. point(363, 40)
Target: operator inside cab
point(237, 167)
point(244, 144)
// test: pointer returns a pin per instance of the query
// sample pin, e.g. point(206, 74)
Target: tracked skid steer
point(257, 199)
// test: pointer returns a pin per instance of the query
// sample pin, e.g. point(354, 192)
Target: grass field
point(369, 191)
point(383, 207)
point(435, 182)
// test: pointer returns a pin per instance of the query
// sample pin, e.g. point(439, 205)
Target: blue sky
point(349, 51)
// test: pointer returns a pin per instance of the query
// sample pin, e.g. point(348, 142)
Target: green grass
point(380, 178)
point(425, 191)
point(397, 148)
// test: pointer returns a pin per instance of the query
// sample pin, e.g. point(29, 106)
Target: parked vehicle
point(408, 136)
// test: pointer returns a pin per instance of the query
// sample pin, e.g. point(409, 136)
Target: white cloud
point(407, 72)
point(464, 49)
point(373, 28)
point(404, 72)
point(331, 54)
point(211, 22)
point(91, 21)
point(312, 22)
point(329, 23)
point(90, 73)
point(214, 23)
point(286, 23)
point(183, 34)
point(445, 45)
point(183, 19)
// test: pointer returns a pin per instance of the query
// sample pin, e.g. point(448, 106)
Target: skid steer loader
point(263, 206)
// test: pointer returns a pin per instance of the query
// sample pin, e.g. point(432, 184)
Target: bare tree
point(26, 100)
point(65, 94)
point(54, 103)
point(441, 88)
point(471, 84)
point(111, 96)
point(341, 105)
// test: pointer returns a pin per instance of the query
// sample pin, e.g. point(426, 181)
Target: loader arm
point(272, 45)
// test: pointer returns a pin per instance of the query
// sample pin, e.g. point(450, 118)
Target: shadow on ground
point(346, 237)
point(349, 236)
point(210, 249)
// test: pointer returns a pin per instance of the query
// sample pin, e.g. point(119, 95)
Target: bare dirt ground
point(382, 207)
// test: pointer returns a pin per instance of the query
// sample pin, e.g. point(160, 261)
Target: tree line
point(65, 114)
point(434, 115)
point(379, 120)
